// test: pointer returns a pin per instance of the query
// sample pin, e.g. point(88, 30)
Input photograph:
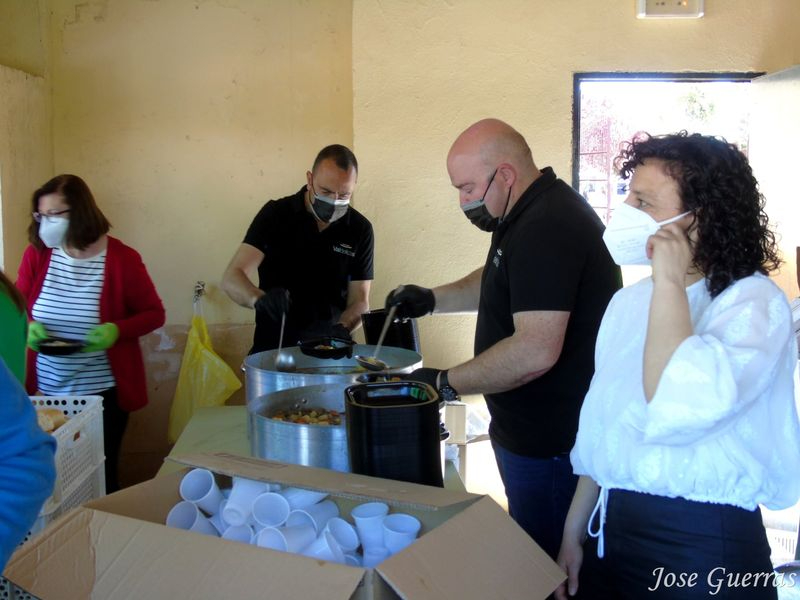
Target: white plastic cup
point(256, 530)
point(344, 534)
point(369, 523)
point(270, 510)
point(300, 498)
point(399, 531)
point(286, 539)
point(199, 486)
point(352, 559)
point(317, 515)
point(186, 515)
point(217, 520)
point(325, 547)
point(239, 533)
point(240, 503)
point(374, 555)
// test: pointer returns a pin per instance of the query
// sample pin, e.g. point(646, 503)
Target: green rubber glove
point(101, 337)
point(36, 333)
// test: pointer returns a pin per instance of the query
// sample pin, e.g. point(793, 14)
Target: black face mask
point(328, 210)
point(479, 215)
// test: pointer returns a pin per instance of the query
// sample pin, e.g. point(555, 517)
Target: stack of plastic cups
point(186, 515)
point(399, 531)
point(201, 497)
point(369, 524)
point(239, 506)
point(270, 509)
point(346, 537)
point(291, 520)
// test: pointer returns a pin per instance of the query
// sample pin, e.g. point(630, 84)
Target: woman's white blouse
point(722, 426)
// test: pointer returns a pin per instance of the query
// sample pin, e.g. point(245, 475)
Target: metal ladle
point(284, 362)
point(373, 363)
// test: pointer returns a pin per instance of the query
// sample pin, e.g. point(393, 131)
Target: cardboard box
point(118, 547)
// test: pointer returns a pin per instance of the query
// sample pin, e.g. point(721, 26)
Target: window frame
point(580, 77)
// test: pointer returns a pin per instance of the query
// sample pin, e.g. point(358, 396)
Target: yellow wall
point(424, 70)
point(26, 158)
point(26, 148)
point(185, 116)
point(23, 35)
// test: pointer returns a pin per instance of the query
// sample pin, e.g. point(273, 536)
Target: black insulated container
point(402, 333)
point(393, 431)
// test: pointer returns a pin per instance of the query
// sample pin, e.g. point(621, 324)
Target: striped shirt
point(69, 306)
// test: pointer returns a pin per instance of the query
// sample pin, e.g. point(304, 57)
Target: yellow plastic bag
point(204, 380)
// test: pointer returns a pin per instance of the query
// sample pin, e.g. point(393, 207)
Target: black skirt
point(670, 548)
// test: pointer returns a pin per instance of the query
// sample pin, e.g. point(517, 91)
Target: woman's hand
point(36, 333)
point(671, 254)
point(570, 558)
point(101, 337)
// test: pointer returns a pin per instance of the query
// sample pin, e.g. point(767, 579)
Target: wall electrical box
point(669, 9)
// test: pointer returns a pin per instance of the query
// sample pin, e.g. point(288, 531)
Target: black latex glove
point(424, 375)
point(412, 301)
point(274, 303)
point(340, 331)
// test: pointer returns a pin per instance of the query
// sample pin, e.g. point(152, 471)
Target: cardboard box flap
point(482, 535)
point(347, 484)
point(101, 555)
point(60, 559)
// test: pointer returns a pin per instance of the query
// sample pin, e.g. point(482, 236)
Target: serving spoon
point(283, 361)
point(373, 363)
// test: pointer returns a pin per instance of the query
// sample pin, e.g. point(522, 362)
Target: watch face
point(448, 394)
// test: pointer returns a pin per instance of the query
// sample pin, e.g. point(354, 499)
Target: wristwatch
point(446, 391)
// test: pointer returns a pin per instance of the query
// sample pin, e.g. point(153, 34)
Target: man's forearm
point(460, 296)
point(239, 288)
point(351, 317)
point(508, 364)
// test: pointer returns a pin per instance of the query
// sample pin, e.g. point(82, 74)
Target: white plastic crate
point(80, 442)
point(93, 485)
point(9, 591)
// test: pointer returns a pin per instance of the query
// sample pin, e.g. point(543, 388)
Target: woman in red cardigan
point(82, 284)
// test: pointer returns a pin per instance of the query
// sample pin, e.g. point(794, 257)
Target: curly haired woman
point(690, 421)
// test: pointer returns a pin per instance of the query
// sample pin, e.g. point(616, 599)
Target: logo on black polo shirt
point(345, 249)
point(497, 257)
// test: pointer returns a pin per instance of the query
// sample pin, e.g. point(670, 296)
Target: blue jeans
point(539, 492)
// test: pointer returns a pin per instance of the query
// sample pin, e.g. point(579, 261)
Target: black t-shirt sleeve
point(258, 233)
point(362, 267)
point(545, 268)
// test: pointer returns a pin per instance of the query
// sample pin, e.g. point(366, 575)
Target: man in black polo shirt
point(540, 297)
point(314, 256)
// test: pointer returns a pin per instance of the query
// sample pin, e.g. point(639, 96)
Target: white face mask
point(52, 231)
point(627, 233)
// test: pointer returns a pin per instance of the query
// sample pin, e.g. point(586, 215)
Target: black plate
point(56, 346)
point(327, 347)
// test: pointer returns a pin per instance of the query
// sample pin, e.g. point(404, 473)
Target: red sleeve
point(27, 272)
point(142, 303)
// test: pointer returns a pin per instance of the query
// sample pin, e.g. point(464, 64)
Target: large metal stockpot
point(322, 446)
point(330, 378)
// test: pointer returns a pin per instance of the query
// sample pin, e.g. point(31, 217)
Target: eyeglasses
point(49, 217)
